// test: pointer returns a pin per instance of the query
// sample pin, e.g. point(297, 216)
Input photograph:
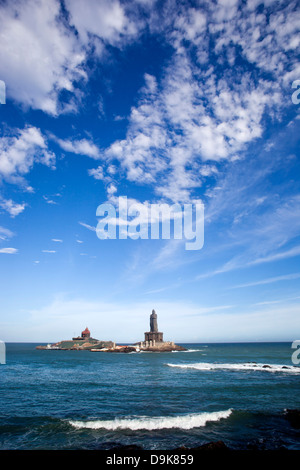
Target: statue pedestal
point(154, 336)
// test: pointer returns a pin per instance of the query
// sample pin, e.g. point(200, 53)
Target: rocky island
point(154, 339)
point(83, 342)
point(153, 342)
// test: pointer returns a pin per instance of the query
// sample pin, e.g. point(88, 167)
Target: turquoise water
point(87, 400)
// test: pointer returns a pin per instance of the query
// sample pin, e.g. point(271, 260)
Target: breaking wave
point(188, 351)
point(242, 366)
point(181, 422)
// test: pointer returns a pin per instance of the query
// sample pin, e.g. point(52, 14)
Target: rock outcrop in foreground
point(293, 416)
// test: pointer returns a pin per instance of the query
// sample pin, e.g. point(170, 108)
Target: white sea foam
point(239, 366)
point(181, 422)
point(193, 350)
point(188, 351)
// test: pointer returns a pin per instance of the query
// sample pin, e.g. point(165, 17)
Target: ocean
point(87, 400)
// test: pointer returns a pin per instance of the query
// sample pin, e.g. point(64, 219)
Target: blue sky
point(161, 102)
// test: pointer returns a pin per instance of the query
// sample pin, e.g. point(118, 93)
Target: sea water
point(237, 393)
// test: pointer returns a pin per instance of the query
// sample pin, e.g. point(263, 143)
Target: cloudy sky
point(162, 102)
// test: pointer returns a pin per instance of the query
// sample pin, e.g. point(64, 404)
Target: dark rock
point(264, 445)
point(293, 416)
point(117, 446)
point(284, 367)
point(215, 446)
point(252, 446)
point(283, 448)
point(125, 349)
point(266, 366)
point(164, 347)
point(130, 447)
point(218, 445)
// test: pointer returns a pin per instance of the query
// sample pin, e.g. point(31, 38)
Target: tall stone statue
point(153, 322)
point(153, 336)
point(154, 339)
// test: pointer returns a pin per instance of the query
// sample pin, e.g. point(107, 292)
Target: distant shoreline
point(179, 343)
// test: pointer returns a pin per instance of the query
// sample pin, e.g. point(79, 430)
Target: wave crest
point(182, 422)
point(242, 366)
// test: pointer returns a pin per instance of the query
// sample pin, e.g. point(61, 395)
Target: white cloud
point(186, 122)
point(5, 233)
point(192, 24)
point(112, 189)
point(13, 208)
point(48, 251)
point(195, 115)
point(9, 251)
point(97, 173)
point(80, 147)
point(19, 153)
point(270, 280)
point(57, 240)
point(266, 39)
point(89, 227)
point(192, 116)
point(39, 55)
point(246, 260)
point(104, 19)
point(49, 201)
point(277, 256)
